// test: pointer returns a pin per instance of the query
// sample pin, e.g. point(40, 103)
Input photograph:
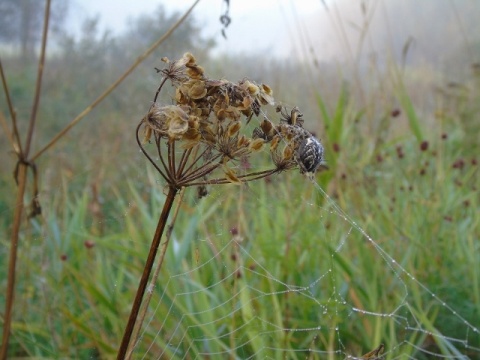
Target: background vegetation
point(402, 148)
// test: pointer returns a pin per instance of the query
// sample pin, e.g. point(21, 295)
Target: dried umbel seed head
point(209, 120)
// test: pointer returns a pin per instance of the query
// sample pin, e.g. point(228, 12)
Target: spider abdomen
point(310, 155)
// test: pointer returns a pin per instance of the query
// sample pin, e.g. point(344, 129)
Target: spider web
point(229, 293)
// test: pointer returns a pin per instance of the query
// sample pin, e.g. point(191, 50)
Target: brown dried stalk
point(204, 126)
point(21, 178)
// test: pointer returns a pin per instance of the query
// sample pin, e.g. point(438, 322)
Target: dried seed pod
point(233, 128)
point(265, 95)
point(243, 141)
point(274, 143)
point(256, 144)
point(266, 126)
point(195, 72)
point(180, 97)
point(208, 134)
point(187, 60)
point(288, 152)
point(231, 176)
point(196, 89)
point(177, 127)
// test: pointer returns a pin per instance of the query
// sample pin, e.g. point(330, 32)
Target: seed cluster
point(207, 128)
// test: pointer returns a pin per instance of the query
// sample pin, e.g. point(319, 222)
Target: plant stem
point(7, 318)
point(38, 85)
point(163, 251)
point(162, 221)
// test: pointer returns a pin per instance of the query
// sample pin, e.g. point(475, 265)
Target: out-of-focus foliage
point(22, 20)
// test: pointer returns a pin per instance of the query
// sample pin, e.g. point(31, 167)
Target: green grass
point(216, 296)
point(290, 279)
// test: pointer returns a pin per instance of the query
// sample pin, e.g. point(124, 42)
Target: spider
point(309, 155)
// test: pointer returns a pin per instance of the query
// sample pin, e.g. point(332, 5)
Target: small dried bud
point(424, 145)
point(395, 113)
point(256, 144)
point(208, 134)
point(265, 95)
point(231, 176)
point(187, 60)
point(266, 126)
point(243, 141)
point(89, 244)
point(195, 72)
point(288, 152)
point(251, 88)
point(233, 128)
point(274, 143)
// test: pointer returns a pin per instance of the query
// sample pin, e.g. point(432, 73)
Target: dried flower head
point(204, 136)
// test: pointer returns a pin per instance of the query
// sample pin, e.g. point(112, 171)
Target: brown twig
point(15, 143)
point(10, 292)
point(153, 281)
point(7, 132)
point(21, 178)
point(38, 85)
point(172, 192)
point(115, 84)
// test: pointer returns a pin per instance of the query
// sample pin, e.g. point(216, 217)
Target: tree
point(22, 22)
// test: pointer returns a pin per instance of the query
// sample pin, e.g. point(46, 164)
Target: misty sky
point(329, 29)
point(258, 25)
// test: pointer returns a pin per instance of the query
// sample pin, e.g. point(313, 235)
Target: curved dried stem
point(146, 153)
point(246, 177)
point(192, 165)
point(159, 89)
point(184, 160)
point(202, 171)
point(170, 179)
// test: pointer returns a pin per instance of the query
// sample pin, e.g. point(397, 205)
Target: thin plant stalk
point(162, 221)
point(21, 178)
point(14, 142)
point(153, 281)
point(9, 295)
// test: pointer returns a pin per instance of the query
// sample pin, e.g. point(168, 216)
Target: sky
point(259, 25)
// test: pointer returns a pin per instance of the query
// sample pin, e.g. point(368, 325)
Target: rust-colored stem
point(162, 221)
point(38, 85)
point(9, 296)
point(17, 147)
